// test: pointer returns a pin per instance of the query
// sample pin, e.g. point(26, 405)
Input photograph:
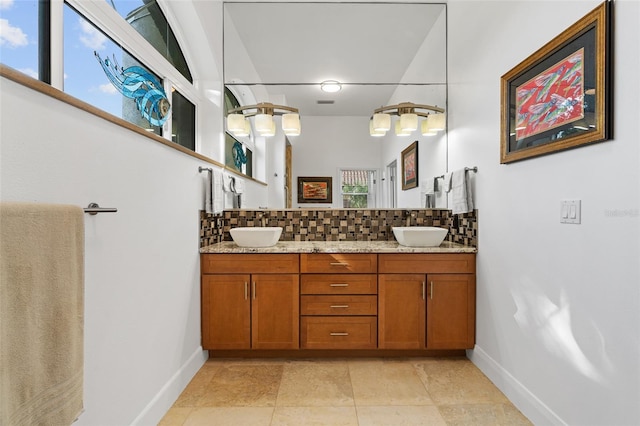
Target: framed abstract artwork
point(315, 190)
point(410, 166)
point(559, 97)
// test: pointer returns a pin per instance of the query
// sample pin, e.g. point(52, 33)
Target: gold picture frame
point(409, 159)
point(559, 97)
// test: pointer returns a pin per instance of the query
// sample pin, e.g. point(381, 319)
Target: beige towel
point(41, 313)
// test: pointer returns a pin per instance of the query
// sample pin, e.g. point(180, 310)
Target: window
point(96, 68)
point(147, 18)
point(183, 121)
point(20, 42)
point(358, 188)
point(103, 74)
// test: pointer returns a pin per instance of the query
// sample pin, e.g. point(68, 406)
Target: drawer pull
point(339, 306)
point(246, 290)
point(338, 334)
point(339, 264)
point(339, 285)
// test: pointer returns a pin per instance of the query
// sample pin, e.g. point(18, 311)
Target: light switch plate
point(570, 211)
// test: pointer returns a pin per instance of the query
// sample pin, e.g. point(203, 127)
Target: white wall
point(558, 306)
point(327, 144)
point(142, 292)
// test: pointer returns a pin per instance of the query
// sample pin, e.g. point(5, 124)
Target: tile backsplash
point(339, 224)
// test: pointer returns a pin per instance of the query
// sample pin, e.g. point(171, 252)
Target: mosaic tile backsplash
point(339, 224)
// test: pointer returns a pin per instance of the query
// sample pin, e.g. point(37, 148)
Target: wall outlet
point(570, 211)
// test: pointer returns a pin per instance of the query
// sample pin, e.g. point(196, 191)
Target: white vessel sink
point(256, 237)
point(419, 236)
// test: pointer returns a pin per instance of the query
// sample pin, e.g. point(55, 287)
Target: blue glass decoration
point(140, 85)
point(238, 155)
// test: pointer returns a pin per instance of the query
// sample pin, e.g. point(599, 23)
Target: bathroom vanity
point(303, 297)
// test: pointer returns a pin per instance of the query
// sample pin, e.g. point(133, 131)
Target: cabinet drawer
point(338, 332)
point(338, 305)
point(412, 263)
point(327, 263)
point(240, 263)
point(339, 284)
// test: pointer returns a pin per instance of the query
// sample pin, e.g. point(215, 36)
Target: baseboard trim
point(532, 407)
point(167, 395)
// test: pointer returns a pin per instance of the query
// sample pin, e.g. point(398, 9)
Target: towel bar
point(93, 209)
point(205, 169)
point(473, 169)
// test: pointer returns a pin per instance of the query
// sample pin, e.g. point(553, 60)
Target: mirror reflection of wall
point(382, 53)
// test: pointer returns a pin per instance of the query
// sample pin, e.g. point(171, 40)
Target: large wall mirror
point(381, 53)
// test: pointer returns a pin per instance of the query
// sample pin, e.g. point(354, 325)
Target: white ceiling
point(368, 46)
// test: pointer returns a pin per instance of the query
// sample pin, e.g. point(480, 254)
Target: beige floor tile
point(176, 416)
point(198, 385)
point(457, 381)
point(483, 414)
point(315, 416)
point(240, 385)
point(381, 382)
point(400, 415)
point(230, 416)
point(315, 383)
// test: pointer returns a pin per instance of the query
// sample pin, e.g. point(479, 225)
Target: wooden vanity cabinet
point(257, 310)
point(338, 302)
point(426, 301)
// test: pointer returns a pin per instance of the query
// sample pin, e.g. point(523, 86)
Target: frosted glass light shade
point(409, 122)
point(235, 122)
point(437, 122)
point(291, 123)
point(381, 122)
point(246, 131)
point(269, 132)
point(264, 123)
point(374, 132)
point(400, 131)
point(425, 129)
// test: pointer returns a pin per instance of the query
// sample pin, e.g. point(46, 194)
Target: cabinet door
point(451, 311)
point(226, 312)
point(275, 311)
point(401, 311)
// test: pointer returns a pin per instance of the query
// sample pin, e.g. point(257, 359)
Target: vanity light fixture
point(408, 122)
point(237, 119)
point(330, 86)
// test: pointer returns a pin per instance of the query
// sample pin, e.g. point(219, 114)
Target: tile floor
point(342, 392)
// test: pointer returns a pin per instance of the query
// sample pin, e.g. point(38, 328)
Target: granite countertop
point(337, 247)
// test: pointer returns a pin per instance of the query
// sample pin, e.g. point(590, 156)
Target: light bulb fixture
point(409, 122)
point(400, 131)
point(235, 122)
point(374, 132)
point(291, 122)
point(246, 131)
point(381, 122)
point(425, 128)
point(330, 86)
point(409, 114)
point(437, 122)
point(271, 131)
point(264, 123)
